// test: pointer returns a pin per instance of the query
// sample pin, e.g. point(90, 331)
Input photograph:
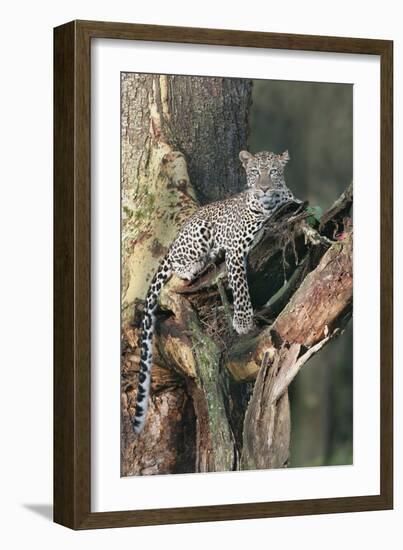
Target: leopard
point(227, 229)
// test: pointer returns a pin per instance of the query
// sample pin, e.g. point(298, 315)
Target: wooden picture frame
point(72, 270)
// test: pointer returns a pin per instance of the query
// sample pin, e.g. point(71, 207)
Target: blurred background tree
point(314, 121)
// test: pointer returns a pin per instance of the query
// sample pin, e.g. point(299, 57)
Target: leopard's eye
point(254, 172)
point(273, 171)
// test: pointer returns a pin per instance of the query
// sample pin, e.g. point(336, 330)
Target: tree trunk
point(219, 401)
point(173, 127)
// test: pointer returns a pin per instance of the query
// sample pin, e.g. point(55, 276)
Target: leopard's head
point(265, 178)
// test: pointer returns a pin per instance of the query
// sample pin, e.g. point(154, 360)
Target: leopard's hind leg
point(190, 254)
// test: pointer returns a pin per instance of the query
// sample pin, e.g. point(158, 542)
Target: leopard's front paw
point(243, 323)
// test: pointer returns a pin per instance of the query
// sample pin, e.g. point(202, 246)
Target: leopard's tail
point(146, 344)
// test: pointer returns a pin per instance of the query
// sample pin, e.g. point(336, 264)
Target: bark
point(219, 402)
point(315, 314)
point(171, 127)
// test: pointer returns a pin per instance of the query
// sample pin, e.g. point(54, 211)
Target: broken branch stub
point(314, 315)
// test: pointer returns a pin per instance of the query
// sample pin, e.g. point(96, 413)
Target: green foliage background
point(314, 121)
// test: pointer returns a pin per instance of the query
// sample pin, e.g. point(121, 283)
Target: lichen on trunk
point(172, 126)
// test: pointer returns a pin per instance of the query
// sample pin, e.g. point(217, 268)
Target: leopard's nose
point(264, 182)
point(264, 185)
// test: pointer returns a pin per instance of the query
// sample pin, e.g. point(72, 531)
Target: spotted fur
point(229, 227)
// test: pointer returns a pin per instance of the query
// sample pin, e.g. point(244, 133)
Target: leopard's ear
point(245, 157)
point(284, 157)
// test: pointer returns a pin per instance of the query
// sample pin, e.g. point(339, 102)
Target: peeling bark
point(173, 126)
